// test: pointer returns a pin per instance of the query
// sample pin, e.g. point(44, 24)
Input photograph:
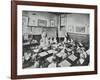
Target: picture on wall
point(52, 23)
point(42, 22)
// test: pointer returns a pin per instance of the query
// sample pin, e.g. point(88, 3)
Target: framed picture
point(80, 29)
point(42, 23)
point(25, 20)
point(52, 23)
point(32, 22)
point(49, 51)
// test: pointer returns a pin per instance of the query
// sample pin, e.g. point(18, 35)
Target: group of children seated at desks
point(50, 53)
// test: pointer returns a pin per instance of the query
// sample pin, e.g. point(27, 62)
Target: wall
point(5, 41)
point(32, 23)
point(42, 16)
point(75, 23)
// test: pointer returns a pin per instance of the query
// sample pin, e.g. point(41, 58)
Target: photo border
point(14, 38)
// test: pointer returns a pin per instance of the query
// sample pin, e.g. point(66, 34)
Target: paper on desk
point(54, 52)
point(55, 45)
point(62, 54)
point(36, 50)
point(43, 54)
point(64, 63)
point(50, 59)
point(52, 65)
point(50, 51)
point(61, 47)
point(59, 54)
point(72, 57)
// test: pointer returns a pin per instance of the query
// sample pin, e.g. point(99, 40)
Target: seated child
point(27, 59)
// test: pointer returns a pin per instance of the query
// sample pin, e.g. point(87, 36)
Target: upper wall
point(74, 23)
point(36, 21)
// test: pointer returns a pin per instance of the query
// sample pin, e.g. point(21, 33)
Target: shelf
point(43, 26)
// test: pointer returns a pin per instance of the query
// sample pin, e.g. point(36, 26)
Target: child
point(27, 59)
point(67, 38)
point(44, 40)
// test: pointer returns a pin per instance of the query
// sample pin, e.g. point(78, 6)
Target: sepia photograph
point(54, 39)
